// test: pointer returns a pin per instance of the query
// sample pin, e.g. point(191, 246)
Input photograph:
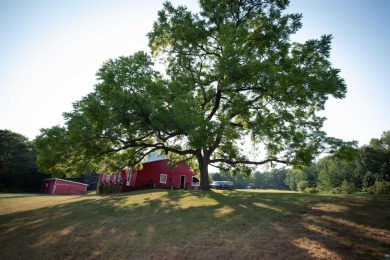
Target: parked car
point(222, 185)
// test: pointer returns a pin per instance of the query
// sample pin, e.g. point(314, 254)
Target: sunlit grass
point(24, 202)
point(254, 224)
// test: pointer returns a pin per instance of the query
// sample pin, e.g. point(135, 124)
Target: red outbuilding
point(60, 186)
point(154, 174)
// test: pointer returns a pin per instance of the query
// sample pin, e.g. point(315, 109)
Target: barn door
point(182, 182)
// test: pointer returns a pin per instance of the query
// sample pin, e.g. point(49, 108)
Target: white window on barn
point(195, 181)
point(107, 177)
point(117, 177)
point(128, 177)
point(163, 178)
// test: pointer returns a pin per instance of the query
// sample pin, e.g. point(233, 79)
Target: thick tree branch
point(208, 52)
point(231, 162)
point(218, 96)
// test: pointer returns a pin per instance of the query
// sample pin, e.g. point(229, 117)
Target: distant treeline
point(18, 165)
point(367, 171)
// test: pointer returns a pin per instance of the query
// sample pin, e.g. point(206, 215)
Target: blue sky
point(51, 50)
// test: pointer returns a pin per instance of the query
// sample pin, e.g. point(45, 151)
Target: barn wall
point(149, 175)
point(111, 184)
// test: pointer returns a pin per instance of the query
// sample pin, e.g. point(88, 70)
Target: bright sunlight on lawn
point(187, 224)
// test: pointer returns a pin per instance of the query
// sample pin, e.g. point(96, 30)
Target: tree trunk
point(203, 161)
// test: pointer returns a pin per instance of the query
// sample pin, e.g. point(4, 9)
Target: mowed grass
point(165, 224)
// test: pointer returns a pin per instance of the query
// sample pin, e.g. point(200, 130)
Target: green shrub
point(380, 187)
point(310, 190)
point(108, 188)
point(347, 187)
point(303, 185)
point(336, 190)
point(100, 188)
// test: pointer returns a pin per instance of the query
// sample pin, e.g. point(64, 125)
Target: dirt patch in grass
point(162, 224)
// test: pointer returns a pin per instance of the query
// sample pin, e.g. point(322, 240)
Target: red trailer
point(60, 186)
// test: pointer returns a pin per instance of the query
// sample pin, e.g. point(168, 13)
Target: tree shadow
point(198, 224)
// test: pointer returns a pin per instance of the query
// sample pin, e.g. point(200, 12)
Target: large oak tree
point(232, 77)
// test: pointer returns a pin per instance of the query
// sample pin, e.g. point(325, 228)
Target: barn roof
point(155, 157)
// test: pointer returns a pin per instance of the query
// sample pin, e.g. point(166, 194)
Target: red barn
point(154, 174)
point(60, 186)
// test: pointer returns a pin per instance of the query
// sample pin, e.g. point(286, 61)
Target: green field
point(164, 224)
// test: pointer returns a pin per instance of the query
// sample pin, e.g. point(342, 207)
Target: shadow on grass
point(19, 195)
point(197, 224)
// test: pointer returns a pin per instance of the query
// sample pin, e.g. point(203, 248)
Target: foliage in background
point(368, 172)
point(108, 188)
point(295, 176)
point(311, 190)
point(273, 179)
point(18, 167)
point(373, 161)
point(332, 172)
point(380, 188)
point(347, 187)
point(303, 185)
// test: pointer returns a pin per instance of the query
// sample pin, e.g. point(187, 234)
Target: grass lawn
point(164, 224)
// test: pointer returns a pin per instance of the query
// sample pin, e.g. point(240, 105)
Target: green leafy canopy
point(231, 74)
